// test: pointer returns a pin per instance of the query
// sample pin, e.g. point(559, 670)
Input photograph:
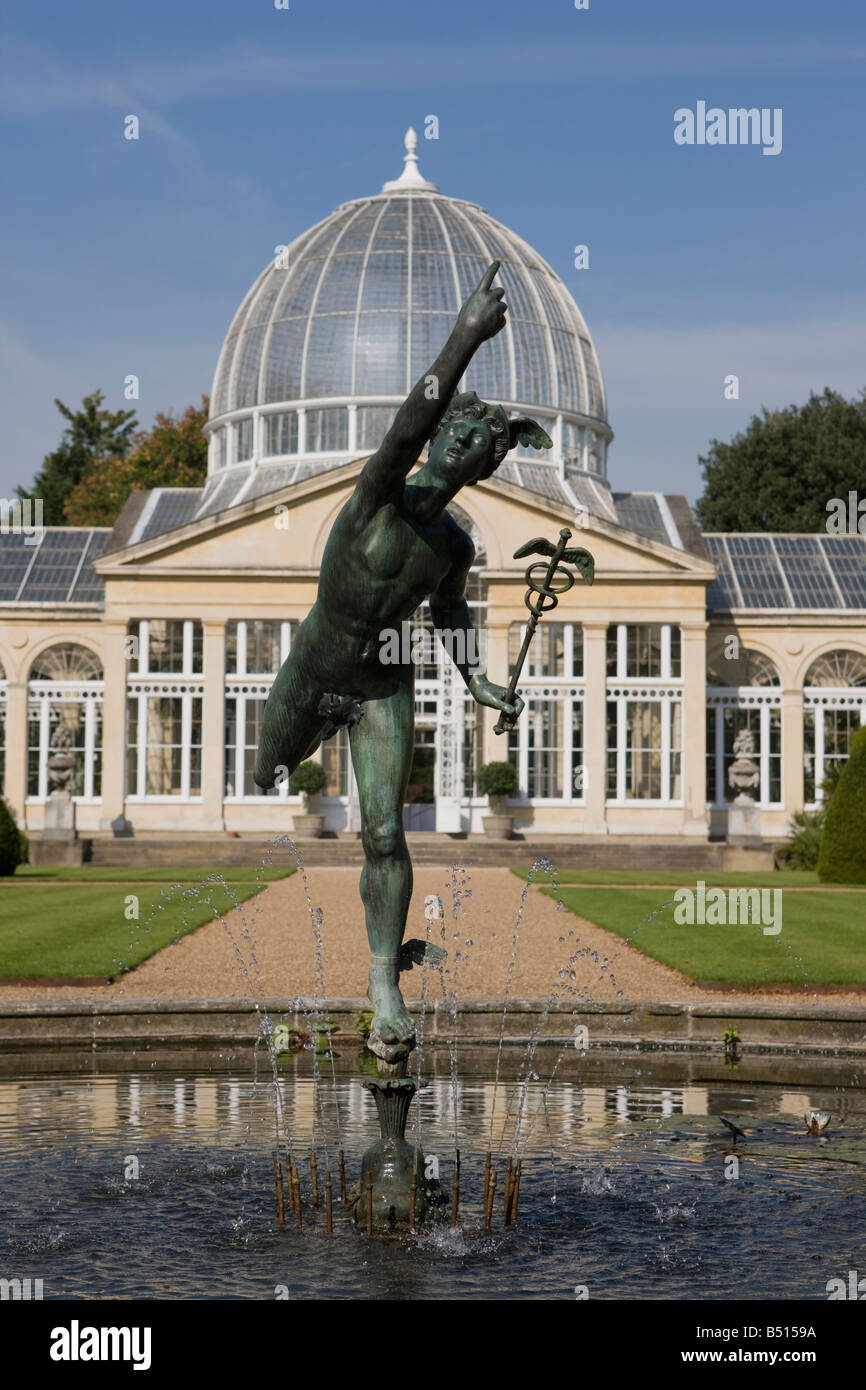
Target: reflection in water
point(625, 1189)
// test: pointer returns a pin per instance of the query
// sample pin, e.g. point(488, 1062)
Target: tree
point(781, 473)
point(842, 857)
point(91, 435)
point(171, 454)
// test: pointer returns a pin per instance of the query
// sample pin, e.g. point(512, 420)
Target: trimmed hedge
point(309, 777)
point(842, 858)
point(497, 779)
point(13, 844)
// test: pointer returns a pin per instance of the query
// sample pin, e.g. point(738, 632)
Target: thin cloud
point(36, 81)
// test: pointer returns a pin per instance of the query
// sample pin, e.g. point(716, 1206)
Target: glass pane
point(711, 753)
point(164, 746)
point(643, 750)
point(676, 651)
point(335, 758)
point(232, 646)
point(374, 422)
point(33, 725)
point(612, 670)
point(327, 430)
point(578, 770)
point(577, 670)
point(612, 789)
point(263, 646)
point(165, 645)
point(644, 650)
point(229, 743)
point(809, 755)
point(195, 749)
point(676, 753)
point(244, 437)
point(281, 433)
point(547, 651)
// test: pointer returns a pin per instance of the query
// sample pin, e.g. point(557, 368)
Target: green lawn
point(87, 873)
point(825, 929)
point(767, 878)
point(46, 933)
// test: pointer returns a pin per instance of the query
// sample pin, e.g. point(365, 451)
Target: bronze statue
point(392, 546)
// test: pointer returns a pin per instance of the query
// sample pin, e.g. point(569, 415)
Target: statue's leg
point(292, 726)
point(382, 744)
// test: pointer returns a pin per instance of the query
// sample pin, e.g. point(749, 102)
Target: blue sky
point(131, 257)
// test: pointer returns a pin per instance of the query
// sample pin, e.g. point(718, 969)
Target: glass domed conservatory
point(152, 646)
point(342, 323)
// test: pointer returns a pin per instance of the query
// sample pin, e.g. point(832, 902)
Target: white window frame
point(240, 686)
point(46, 693)
point(665, 690)
point(186, 685)
point(741, 697)
point(820, 699)
point(567, 690)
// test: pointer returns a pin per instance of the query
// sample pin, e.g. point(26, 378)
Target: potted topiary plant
point(498, 781)
point(309, 779)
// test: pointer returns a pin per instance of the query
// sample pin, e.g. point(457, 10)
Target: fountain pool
point(122, 1178)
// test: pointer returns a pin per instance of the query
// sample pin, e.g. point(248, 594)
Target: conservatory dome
point(341, 323)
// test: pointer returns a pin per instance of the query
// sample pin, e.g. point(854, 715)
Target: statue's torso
point(376, 571)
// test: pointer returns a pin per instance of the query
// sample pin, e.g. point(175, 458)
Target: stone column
point(213, 726)
point(116, 668)
point(793, 774)
point(495, 746)
point(694, 668)
point(15, 790)
point(595, 728)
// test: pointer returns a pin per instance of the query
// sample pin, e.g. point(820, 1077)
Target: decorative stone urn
point(744, 776)
point(59, 843)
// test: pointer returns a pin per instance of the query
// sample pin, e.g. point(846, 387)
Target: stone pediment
point(285, 532)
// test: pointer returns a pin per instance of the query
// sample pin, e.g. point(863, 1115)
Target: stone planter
point(309, 824)
point(499, 823)
point(498, 827)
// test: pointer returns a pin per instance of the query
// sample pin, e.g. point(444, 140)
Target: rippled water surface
point(627, 1189)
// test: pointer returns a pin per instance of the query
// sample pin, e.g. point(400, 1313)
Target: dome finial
point(411, 176)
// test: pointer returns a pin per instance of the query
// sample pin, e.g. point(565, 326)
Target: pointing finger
point(489, 275)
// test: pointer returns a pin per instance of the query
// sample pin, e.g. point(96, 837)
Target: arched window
point(837, 669)
point(834, 708)
point(743, 693)
point(747, 668)
point(65, 691)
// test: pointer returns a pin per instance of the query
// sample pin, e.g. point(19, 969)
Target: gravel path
point(487, 901)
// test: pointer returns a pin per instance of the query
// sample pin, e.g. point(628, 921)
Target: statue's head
point(474, 437)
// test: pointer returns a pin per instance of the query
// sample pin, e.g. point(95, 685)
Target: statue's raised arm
point(481, 317)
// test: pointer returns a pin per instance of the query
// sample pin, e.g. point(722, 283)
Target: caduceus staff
point(555, 570)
